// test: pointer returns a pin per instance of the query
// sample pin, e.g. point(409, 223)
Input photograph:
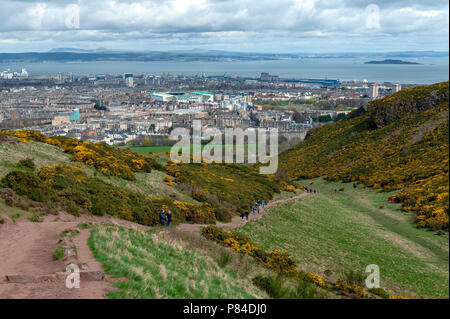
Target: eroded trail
point(27, 250)
point(237, 221)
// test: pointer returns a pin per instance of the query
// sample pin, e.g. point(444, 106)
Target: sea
point(430, 70)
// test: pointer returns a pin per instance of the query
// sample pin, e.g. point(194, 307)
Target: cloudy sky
point(235, 25)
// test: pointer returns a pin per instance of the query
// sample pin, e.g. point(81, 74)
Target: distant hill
point(400, 143)
point(103, 54)
point(390, 61)
point(76, 55)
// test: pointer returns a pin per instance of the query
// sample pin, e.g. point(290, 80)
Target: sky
point(276, 26)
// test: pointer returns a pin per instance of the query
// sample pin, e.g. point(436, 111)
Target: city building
point(183, 97)
point(373, 91)
point(129, 82)
point(396, 88)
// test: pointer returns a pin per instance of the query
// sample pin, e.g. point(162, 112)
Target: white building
point(373, 91)
point(129, 82)
point(396, 88)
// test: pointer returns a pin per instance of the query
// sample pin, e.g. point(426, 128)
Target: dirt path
point(27, 248)
point(237, 221)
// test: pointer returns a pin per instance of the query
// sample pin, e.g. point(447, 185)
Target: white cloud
point(224, 22)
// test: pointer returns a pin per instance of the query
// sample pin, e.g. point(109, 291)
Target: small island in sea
point(391, 61)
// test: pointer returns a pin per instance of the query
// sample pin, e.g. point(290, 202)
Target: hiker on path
point(263, 203)
point(162, 217)
point(246, 214)
point(242, 215)
point(257, 206)
point(254, 209)
point(169, 217)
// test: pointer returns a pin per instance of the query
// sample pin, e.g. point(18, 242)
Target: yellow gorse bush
point(107, 159)
point(353, 288)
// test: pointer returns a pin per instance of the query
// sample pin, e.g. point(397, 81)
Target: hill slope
point(398, 143)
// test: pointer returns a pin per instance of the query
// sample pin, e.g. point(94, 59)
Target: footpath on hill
point(27, 254)
point(237, 221)
point(27, 257)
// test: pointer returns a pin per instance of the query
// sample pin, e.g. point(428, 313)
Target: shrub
point(36, 218)
point(58, 253)
point(379, 292)
point(199, 196)
point(29, 184)
point(68, 187)
point(28, 163)
point(168, 181)
point(281, 288)
point(223, 214)
point(354, 277)
point(224, 258)
point(352, 288)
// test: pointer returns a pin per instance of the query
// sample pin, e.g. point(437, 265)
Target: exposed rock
point(92, 275)
point(20, 279)
point(47, 278)
point(68, 253)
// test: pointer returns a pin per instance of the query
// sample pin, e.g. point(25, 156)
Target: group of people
point(165, 216)
point(255, 209)
point(310, 190)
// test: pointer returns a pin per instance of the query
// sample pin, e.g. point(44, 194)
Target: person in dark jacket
point(162, 217)
point(169, 217)
point(242, 215)
point(246, 214)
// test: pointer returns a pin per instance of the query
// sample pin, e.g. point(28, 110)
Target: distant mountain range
point(102, 54)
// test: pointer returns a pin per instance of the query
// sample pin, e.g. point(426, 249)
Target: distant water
point(431, 70)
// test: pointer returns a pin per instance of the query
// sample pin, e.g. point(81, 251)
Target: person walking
point(246, 214)
point(162, 217)
point(263, 203)
point(242, 215)
point(169, 217)
point(258, 206)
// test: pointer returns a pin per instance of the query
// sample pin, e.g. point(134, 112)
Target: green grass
point(338, 232)
point(43, 155)
point(35, 218)
point(161, 267)
point(58, 253)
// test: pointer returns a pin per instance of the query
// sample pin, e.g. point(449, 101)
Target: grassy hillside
point(59, 184)
point(156, 265)
point(335, 233)
point(400, 143)
point(237, 185)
